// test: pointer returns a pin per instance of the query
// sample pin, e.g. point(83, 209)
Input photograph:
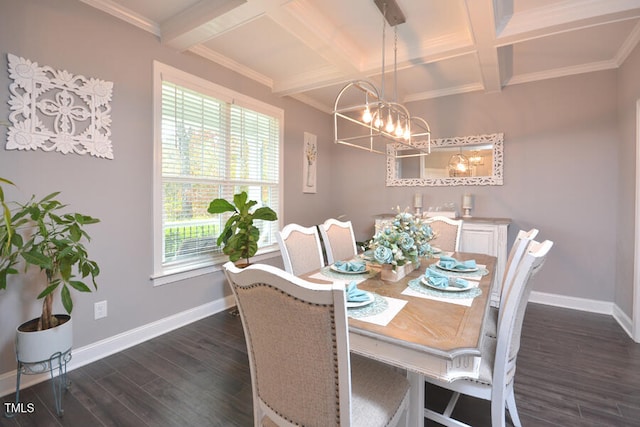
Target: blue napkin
point(354, 294)
point(350, 266)
point(453, 264)
point(442, 281)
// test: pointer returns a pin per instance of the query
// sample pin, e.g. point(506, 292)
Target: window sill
point(185, 272)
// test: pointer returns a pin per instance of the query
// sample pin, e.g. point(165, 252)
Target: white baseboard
point(111, 345)
point(592, 306)
point(100, 349)
point(623, 320)
point(574, 303)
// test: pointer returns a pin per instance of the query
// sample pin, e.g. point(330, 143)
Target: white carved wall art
point(54, 110)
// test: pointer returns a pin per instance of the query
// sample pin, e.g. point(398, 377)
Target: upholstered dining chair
point(499, 355)
point(298, 346)
point(447, 231)
point(339, 240)
point(300, 249)
point(519, 248)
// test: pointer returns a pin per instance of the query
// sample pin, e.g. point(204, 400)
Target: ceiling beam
point(482, 25)
point(303, 21)
point(202, 21)
point(562, 17)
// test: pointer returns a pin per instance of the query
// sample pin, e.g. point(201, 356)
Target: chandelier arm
point(395, 65)
point(384, 26)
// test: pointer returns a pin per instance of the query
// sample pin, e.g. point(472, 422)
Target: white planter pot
point(39, 346)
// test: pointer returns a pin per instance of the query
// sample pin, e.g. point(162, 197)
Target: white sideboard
point(487, 236)
point(482, 236)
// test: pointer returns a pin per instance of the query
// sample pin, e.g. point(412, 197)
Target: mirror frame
point(497, 139)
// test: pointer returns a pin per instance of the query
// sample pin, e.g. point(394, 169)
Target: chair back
point(511, 315)
point(447, 232)
point(339, 240)
point(519, 248)
point(297, 341)
point(300, 248)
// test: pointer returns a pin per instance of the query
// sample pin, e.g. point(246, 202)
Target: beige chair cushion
point(371, 382)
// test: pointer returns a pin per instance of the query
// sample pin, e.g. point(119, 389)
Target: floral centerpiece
point(402, 242)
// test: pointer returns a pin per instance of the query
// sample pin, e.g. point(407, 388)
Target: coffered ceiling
point(309, 49)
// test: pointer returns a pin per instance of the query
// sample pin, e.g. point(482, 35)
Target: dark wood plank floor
point(574, 369)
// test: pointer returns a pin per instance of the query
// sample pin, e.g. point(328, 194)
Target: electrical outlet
point(100, 310)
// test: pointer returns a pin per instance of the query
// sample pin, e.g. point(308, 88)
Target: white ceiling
point(309, 49)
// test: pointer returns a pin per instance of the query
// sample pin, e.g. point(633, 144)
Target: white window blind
point(211, 146)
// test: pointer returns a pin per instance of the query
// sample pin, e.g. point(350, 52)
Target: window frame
point(163, 274)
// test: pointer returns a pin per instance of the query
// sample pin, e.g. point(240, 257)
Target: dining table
point(426, 331)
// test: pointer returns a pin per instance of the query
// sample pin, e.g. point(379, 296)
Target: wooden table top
point(439, 328)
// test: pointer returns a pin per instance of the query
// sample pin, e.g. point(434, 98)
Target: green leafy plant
point(39, 234)
point(239, 236)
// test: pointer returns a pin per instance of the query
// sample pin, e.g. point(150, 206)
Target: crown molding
point(562, 72)
point(231, 64)
point(126, 15)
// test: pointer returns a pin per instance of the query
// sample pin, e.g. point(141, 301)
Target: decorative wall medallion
point(56, 111)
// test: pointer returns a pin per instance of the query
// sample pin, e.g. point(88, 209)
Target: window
point(209, 142)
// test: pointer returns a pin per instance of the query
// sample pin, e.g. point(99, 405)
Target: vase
point(390, 275)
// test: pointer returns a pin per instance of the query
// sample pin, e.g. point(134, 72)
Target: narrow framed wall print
point(310, 163)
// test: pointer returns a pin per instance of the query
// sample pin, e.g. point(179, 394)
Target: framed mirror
point(467, 160)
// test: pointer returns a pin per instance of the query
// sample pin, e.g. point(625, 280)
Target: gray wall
point(66, 34)
point(628, 95)
point(561, 156)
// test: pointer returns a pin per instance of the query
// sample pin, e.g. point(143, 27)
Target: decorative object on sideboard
point(417, 203)
point(467, 205)
point(448, 209)
point(54, 110)
point(378, 120)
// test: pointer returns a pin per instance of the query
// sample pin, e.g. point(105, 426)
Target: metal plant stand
point(58, 361)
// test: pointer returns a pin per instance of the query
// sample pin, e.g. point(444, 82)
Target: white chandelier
point(373, 123)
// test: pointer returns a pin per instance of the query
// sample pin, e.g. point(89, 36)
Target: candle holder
point(467, 205)
point(417, 204)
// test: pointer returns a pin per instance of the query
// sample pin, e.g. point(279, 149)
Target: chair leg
point(498, 411)
point(452, 404)
point(513, 410)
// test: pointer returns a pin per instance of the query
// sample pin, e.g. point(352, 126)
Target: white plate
point(447, 289)
point(355, 304)
point(435, 250)
point(457, 270)
point(337, 270)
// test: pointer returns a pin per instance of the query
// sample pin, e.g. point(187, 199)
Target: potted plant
point(39, 234)
point(239, 236)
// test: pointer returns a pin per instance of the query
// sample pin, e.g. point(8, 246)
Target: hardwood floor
point(574, 369)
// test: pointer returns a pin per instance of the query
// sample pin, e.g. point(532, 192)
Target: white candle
point(467, 201)
point(417, 200)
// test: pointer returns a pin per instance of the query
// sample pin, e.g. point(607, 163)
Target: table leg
point(416, 400)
